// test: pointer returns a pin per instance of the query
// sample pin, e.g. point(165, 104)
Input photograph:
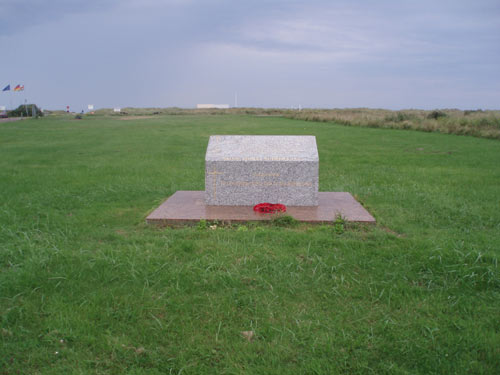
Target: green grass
point(87, 288)
point(476, 123)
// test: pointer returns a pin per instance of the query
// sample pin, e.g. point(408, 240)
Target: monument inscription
point(247, 170)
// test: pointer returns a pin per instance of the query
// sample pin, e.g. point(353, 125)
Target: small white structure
point(90, 107)
point(209, 106)
point(118, 110)
point(2, 108)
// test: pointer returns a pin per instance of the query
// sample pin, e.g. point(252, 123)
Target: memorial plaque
point(247, 170)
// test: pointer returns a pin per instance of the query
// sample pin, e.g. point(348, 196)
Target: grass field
point(86, 287)
point(476, 123)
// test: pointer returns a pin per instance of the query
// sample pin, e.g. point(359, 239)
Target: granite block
point(247, 170)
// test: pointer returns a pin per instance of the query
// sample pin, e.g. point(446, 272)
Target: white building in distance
point(208, 106)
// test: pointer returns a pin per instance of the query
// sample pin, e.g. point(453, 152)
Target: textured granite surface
point(246, 170)
point(190, 207)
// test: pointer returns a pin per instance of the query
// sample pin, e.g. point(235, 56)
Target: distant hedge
point(25, 110)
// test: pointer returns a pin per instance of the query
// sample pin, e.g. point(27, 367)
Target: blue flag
point(6, 88)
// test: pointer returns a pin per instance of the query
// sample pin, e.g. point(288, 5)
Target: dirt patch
point(121, 232)
point(394, 233)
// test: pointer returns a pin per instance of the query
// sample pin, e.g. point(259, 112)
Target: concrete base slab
point(186, 207)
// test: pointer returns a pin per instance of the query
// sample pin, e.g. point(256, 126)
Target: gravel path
point(11, 119)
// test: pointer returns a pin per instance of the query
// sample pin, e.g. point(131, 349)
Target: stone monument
point(244, 170)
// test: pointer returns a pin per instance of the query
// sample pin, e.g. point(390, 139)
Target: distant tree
point(25, 110)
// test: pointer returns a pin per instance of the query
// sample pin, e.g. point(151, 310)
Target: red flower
point(269, 208)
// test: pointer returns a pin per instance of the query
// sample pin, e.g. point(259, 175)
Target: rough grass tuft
point(482, 124)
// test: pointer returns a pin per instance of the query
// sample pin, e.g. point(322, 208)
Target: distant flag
point(6, 88)
point(19, 88)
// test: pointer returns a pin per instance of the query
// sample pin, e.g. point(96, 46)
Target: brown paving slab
point(189, 206)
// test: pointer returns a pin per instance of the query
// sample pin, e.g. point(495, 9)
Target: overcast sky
point(316, 53)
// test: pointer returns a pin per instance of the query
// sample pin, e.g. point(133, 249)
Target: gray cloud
point(274, 53)
point(18, 15)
